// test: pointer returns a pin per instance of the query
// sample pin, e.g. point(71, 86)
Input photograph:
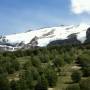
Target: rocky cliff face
point(87, 36)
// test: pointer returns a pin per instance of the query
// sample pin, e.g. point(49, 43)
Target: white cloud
point(80, 6)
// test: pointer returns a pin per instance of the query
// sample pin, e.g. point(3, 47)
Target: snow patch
point(59, 33)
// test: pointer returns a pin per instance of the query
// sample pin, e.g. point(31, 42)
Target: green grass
point(22, 60)
point(65, 79)
point(14, 76)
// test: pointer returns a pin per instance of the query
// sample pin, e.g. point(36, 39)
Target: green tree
point(58, 61)
point(13, 85)
point(84, 60)
point(4, 83)
point(51, 77)
point(42, 83)
point(68, 58)
point(36, 61)
point(76, 76)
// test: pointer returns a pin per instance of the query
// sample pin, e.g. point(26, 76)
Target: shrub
point(76, 76)
point(73, 87)
point(85, 84)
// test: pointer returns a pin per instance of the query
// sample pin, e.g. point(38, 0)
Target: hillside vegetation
point(52, 67)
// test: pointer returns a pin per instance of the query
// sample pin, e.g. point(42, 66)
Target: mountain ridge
point(45, 36)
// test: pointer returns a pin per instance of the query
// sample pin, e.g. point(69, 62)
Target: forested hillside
point(64, 67)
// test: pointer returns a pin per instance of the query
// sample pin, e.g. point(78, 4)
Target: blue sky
point(22, 15)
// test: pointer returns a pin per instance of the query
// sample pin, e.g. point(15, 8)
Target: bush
point(76, 76)
point(86, 71)
point(85, 84)
point(73, 87)
point(58, 61)
point(68, 58)
point(84, 60)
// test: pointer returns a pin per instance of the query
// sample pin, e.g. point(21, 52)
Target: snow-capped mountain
point(43, 37)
